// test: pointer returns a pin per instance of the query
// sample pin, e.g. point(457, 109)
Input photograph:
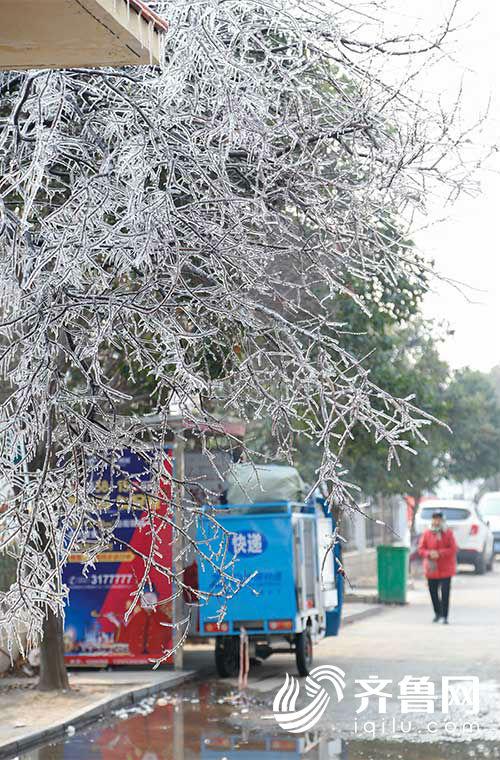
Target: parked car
point(473, 535)
point(489, 509)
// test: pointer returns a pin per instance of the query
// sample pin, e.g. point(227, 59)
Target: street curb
point(355, 616)
point(87, 715)
point(367, 598)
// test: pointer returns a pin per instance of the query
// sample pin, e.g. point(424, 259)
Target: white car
point(473, 535)
point(489, 509)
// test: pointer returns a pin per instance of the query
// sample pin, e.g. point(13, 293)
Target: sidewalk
point(360, 603)
point(354, 611)
point(30, 717)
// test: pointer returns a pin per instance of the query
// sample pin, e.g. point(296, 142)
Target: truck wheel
point(303, 652)
point(227, 656)
point(480, 564)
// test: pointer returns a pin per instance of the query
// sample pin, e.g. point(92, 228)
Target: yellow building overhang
point(72, 33)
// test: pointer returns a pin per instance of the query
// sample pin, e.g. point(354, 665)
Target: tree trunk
point(53, 674)
point(417, 498)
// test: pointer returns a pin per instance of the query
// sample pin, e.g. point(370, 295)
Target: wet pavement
point(211, 722)
point(208, 718)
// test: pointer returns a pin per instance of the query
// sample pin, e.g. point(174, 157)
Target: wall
point(383, 522)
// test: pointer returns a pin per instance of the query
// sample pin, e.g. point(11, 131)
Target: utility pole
point(177, 548)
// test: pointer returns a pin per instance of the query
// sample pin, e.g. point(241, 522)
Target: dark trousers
point(439, 589)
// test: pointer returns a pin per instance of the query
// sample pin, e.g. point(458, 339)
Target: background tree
point(494, 376)
point(473, 411)
point(384, 324)
point(492, 483)
point(411, 365)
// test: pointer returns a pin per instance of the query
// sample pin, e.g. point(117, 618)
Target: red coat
point(446, 564)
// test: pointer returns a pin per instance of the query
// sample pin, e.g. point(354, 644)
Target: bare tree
point(186, 230)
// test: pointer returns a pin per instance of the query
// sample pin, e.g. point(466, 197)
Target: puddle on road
point(207, 722)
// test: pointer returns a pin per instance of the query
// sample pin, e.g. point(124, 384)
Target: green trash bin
point(392, 573)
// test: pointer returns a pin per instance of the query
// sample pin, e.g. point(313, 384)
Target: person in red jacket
point(438, 548)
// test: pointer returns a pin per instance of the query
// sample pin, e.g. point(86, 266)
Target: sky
point(465, 245)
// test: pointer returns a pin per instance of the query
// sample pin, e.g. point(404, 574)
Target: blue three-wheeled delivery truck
point(293, 597)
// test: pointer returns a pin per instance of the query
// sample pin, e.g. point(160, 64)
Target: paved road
point(208, 719)
point(402, 641)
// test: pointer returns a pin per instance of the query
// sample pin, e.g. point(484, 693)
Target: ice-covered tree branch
point(181, 235)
